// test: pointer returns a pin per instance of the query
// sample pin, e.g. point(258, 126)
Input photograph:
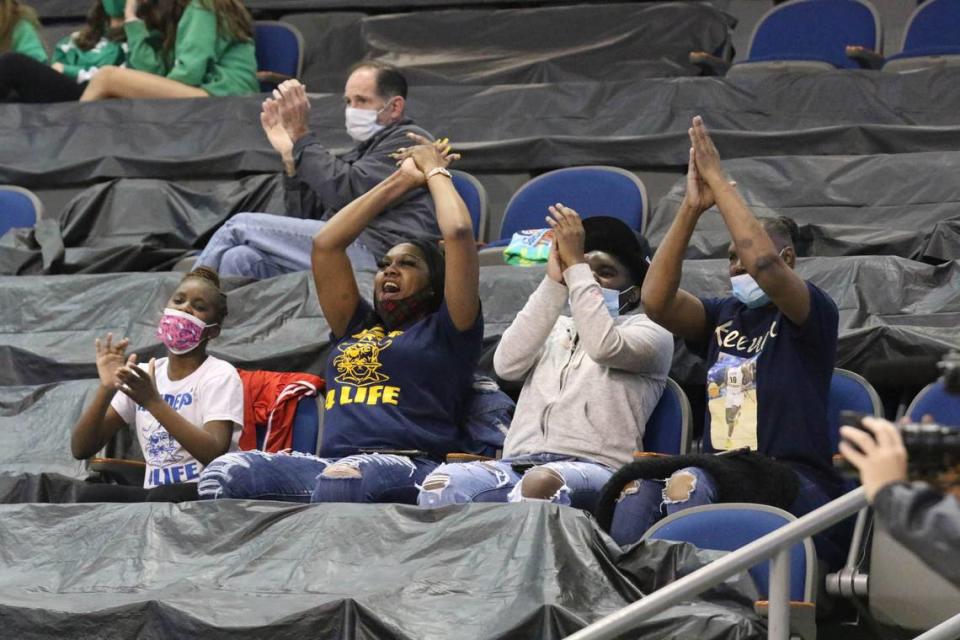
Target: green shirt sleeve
point(143, 48)
point(27, 41)
point(79, 64)
point(196, 46)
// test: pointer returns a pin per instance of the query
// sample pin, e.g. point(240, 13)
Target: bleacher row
point(864, 160)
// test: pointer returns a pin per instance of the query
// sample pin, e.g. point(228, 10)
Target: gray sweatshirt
point(592, 381)
point(925, 521)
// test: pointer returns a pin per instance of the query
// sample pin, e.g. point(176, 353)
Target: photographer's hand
point(881, 459)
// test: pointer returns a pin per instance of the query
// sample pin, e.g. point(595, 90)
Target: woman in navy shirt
point(770, 349)
point(400, 368)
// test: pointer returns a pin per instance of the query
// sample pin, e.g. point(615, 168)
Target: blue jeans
point(263, 245)
point(300, 477)
point(496, 481)
point(643, 502)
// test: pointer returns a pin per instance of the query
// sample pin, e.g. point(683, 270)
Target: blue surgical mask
point(611, 299)
point(747, 291)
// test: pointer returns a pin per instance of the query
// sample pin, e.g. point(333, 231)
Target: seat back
point(279, 48)
point(933, 400)
point(849, 392)
point(475, 197)
point(19, 207)
point(669, 427)
point(591, 191)
point(934, 25)
point(816, 30)
point(729, 526)
point(306, 426)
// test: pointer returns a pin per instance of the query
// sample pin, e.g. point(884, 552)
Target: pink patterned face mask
point(181, 332)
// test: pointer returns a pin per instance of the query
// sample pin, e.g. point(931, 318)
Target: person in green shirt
point(182, 49)
point(20, 30)
point(76, 59)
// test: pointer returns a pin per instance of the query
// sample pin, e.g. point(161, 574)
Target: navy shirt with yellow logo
point(401, 389)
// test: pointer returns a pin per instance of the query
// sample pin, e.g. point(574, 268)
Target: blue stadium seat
point(19, 207)
point(812, 34)
point(475, 197)
point(849, 392)
point(669, 427)
point(590, 190)
point(932, 37)
point(727, 527)
point(933, 400)
point(279, 48)
point(306, 427)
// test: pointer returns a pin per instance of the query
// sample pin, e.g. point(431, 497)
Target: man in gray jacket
point(923, 520)
point(318, 183)
point(592, 378)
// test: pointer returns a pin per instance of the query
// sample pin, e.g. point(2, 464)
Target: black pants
point(96, 492)
point(23, 79)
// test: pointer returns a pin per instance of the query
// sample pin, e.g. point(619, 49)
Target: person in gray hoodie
point(592, 378)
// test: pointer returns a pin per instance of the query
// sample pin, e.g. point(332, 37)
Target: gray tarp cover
point(502, 127)
point(236, 569)
point(905, 204)
point(889, 307)
point(60, 9)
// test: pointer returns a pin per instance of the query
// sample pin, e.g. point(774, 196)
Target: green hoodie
point(78, 64)
point(27, 41)
point(218, 64)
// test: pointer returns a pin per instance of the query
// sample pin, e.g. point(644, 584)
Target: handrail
point(776, 543)
point(949, 629)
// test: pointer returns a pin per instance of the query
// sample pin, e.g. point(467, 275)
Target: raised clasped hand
point(293, 108)
point(703, 156)
point(273, 126)
point(568, 234)
point(419, 160)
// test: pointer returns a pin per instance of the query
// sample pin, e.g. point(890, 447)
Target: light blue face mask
point(611, 298)
point(747, 291)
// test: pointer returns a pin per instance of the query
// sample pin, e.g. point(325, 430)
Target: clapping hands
point(704, 172)
point(418, 161)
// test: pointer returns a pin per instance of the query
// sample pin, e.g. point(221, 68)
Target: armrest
point(803, 617)
point(649, 454)
point(119, 470)
point(710, 65)
point(866, 58)
point(272, 77)
point(491, 256)
point(465, 457)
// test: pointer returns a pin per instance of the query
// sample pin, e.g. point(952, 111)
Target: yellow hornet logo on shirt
point(358, 365)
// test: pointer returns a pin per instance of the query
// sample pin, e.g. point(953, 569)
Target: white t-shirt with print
point(212, 392)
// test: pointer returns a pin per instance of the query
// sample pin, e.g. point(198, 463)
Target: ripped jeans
point(643, 502)
point(577, 482)
point(300, 477)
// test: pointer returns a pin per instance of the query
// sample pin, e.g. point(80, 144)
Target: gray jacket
point(924, 521)
point(592, 381)
point(325, 183)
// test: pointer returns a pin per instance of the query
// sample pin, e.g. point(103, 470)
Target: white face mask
point(611, 298)
point(362, 123)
